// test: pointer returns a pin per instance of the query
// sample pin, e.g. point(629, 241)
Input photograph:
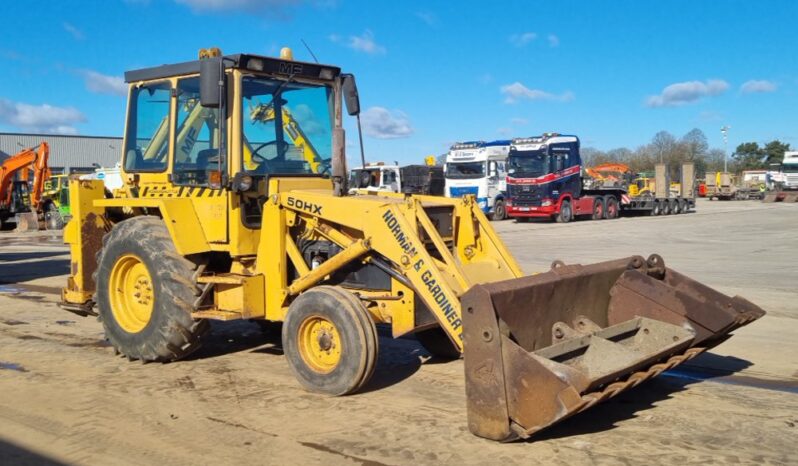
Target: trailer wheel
point(499, 212)
point(611, 211)
point(598, 209)
point(330, 341)
point(656, 210)
point(437, 343)
point(675, 207)
point(566, 214)
point(144, 294)
point(683, 206)
point(665, 207)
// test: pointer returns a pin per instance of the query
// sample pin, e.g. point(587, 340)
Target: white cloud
point(517, 91)
point(757, 85)
point(428, 18)
point(76, 33)
point(104, 84)
point(687, 92)
point(40, 118)
point(554, 41)
point(306, 118)
point(366, 43)
point(199, 6)
point(381, 123)
point(520, 40)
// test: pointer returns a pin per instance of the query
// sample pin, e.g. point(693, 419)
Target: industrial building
point(68, 153)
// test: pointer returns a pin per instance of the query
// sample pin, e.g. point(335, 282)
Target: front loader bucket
point(541, 348)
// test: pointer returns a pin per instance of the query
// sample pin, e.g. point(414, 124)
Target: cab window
point(197, 137)
point(147, 139)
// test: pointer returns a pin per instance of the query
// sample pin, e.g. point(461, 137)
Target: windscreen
point(287, 127)
point(465, 170)
point(528, 164)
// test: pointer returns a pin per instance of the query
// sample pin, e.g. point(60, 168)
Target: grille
point(524, 197)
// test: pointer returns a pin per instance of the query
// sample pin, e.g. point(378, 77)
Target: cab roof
point(255, 63)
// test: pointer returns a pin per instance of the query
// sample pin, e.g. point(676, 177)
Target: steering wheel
point(282, 146)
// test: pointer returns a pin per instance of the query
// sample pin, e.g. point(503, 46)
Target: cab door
point(198, 164)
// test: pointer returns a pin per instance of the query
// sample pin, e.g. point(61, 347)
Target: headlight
point(242, 182)
point(546, 203)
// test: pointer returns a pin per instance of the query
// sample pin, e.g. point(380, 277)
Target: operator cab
point(208, 122)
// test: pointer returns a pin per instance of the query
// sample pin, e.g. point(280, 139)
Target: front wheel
point(330, 341)
point(566, 214)
point(144, 294)
point(499, 211)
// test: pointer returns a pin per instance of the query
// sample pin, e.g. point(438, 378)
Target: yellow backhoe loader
point(220, 218)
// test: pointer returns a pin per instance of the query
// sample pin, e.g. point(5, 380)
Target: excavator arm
point(23, 163)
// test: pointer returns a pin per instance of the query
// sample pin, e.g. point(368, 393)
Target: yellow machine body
point(238, 239)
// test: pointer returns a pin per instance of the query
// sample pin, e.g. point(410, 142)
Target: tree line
point(692, 147)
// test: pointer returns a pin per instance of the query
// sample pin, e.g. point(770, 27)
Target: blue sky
point(434, 72)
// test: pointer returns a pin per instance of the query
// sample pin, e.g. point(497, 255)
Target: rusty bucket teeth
point(539, 349)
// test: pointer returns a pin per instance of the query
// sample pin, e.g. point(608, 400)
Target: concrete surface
point(65, 397)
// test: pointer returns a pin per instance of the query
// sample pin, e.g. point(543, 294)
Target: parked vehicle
point(782, 180)
point(479, 169)
point(545, 180)
point(21, 186)
point(410, 179)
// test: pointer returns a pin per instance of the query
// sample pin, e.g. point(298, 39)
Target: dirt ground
point(65, 397)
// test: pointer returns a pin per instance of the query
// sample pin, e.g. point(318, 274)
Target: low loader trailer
point(221, 218)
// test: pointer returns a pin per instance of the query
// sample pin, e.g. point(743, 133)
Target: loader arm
point(537, 348)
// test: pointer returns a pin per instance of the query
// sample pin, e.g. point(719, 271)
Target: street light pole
point(725, 131)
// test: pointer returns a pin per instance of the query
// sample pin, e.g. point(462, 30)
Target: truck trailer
point(545, 180)
point(410, 179)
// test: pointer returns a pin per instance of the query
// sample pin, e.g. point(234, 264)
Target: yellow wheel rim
point(319, 344)
point(131, 293)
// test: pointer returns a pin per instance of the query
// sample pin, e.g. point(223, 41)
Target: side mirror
point(351, 97)
point(211, 82)
point(492, 170)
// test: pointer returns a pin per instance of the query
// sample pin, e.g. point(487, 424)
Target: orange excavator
point(610, 174)
point(20, 198)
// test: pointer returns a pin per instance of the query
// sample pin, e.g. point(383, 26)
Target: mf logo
point(290, 68)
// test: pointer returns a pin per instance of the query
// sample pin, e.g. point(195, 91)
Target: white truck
point(411, 179)
point(479, 169)
point(785, 176)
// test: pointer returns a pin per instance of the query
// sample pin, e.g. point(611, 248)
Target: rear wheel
point(611, 210)
point(499, 211)
point(665, 208)
point(144, 294)
point(566, 214)
point(330, 341)
point(656, 210)
point(437, 343)
point(675, 207)
point(683, 206)
point(598, 209)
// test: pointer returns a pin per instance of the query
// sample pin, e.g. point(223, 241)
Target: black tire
point(170, 333)
point(52, 217)
point(657, 209)
point(437, 343)
point(358, 340)
point(665, 208)
point(611, 208)
point(675, 207)
point(566, 214)
point(499, 212)
point(684, 207)
point(598, 209)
